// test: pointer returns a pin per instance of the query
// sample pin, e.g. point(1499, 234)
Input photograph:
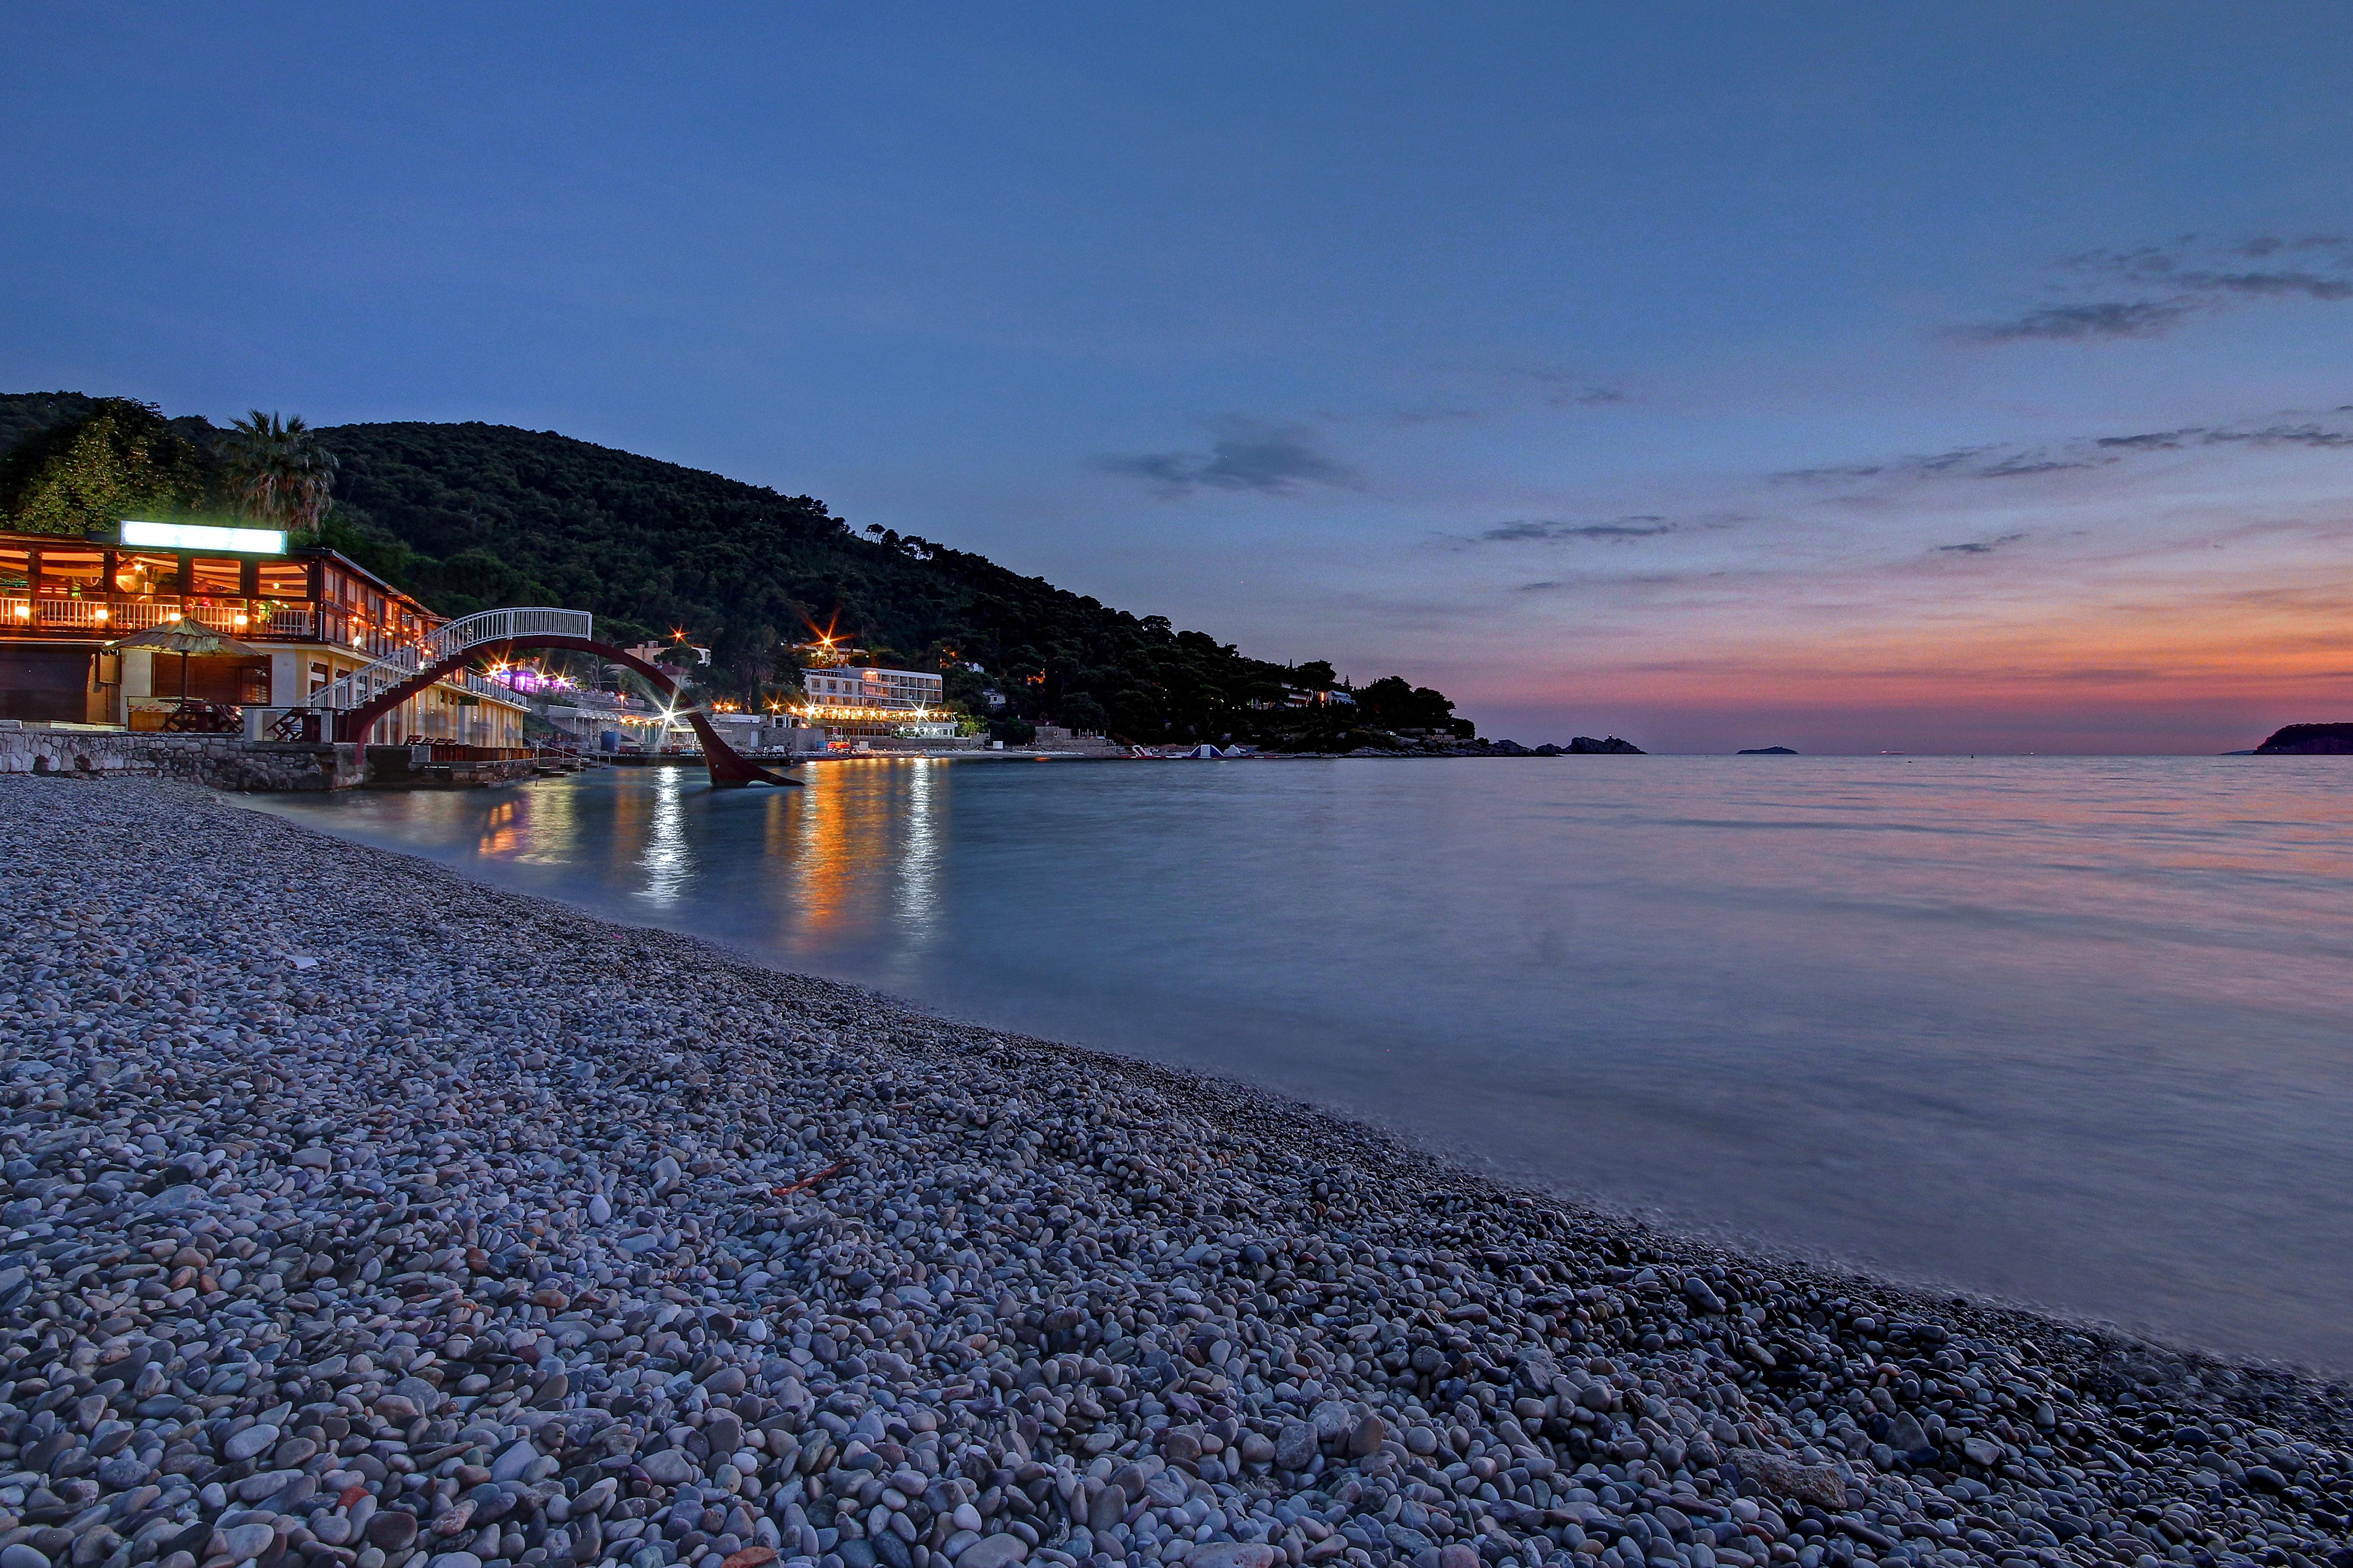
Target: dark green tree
point(1393, 704)
point(119, 460)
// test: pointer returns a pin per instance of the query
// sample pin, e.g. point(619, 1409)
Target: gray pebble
point(391, 1531)
point(672, 1467)
point(994, 1551)
point(246, 1541)
point(1294, 1447)
point(253, 1440)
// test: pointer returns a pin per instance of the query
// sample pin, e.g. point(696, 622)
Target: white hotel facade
point(853, 704)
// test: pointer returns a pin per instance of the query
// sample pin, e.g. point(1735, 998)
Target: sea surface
point(2074, 1033)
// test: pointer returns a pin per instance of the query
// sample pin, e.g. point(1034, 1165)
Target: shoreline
point(453, 1183)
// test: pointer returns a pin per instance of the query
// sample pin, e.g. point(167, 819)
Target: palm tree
point(278, 471)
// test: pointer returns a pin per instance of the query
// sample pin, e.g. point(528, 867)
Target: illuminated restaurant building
point(310, 616)
point(854, 704)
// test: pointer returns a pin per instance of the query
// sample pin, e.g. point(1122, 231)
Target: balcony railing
point(244, 619)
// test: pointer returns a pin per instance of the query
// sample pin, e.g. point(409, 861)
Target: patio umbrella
point(184, 636)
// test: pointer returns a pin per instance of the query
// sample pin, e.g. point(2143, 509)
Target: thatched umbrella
point(184, 636)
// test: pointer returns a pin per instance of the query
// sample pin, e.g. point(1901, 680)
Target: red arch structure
point(729, 768)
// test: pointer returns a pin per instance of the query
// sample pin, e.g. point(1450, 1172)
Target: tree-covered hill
point(472, 515)
point(27, 414)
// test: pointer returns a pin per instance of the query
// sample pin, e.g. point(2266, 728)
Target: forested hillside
point(473, 515)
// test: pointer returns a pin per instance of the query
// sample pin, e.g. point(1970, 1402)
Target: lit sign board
point(204, 536)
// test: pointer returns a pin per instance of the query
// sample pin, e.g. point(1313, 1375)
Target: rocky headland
point(358, 1217)
point(2308, 741)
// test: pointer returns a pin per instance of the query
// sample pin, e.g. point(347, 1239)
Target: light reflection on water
point(2072, 1031)
point(667, 861)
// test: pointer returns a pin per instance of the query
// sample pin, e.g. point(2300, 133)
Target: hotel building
point(852, 704)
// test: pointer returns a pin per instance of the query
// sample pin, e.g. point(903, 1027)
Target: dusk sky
point(1929, 378)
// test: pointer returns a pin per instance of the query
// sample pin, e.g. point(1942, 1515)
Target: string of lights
point(867, 712)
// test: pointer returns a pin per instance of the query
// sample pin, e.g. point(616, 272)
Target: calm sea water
point(2077, 1033)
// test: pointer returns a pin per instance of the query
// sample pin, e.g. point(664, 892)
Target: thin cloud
point(2262, 285)
point(1563, 390)
point(1248, 455)
point(1631, 586)
point(2064, 323)
point(1579, 584)
point(1531, 531)
point(1835, 471)
point(2268, 245)
point(2010, 462)
point(2312, 435)
point(1956, 460)
point(2176, 282)
point(1980, 546)
point(2326, 272)
point(2020, 466)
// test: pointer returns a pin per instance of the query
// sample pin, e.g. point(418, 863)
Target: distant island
point(1765, 752)
point(2309, 741)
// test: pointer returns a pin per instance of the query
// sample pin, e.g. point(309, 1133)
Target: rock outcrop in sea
point(358, 1217)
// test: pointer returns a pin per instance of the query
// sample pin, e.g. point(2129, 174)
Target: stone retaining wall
point(224, 761)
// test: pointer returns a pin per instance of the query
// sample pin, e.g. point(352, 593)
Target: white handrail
point(243, 617)
point(446, 641)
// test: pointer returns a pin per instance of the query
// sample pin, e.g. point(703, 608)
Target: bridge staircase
point(446, 641)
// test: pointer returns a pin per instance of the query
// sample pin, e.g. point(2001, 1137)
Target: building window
point(146, 573)
point(219, 579)
point(284, 580)
point(69, 572)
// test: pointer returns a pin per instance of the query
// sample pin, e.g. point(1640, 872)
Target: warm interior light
point(99, 612)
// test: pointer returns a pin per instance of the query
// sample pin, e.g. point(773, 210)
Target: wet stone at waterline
point(443, 1248)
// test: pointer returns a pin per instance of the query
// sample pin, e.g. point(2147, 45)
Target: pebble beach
point(357, 1215)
